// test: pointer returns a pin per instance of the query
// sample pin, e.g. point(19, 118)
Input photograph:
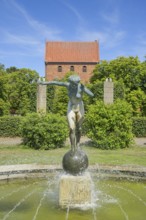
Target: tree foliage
point(128, 71)
point(18, 91)
point(137, 98)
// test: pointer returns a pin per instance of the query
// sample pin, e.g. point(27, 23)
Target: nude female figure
point(75, 111)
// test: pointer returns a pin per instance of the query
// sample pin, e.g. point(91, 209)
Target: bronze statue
point(75, 112)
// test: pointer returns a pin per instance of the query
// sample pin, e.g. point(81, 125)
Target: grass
point(19, 154)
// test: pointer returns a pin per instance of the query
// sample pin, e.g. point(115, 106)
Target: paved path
point(140, 141)
point(7, 141)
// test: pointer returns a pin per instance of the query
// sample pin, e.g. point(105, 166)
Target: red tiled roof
point(72, 51)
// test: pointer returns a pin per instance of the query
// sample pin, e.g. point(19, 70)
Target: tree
point(4, 107)
point(11, 69)
point(57, 97)
point(137, 99)
point(2, 68)
point(128, 70)
point(142, 85)
point(20, 91)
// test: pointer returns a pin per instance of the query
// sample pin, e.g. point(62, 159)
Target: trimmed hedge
point(44, 131)
point(10, 126)
point(109, 126)
point(139, 126)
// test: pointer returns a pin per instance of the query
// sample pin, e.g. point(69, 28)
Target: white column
point(108, 91)
point(41, 98)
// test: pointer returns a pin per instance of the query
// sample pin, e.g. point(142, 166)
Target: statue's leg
point(78, 131)
point(71, 121)
point(79, 121)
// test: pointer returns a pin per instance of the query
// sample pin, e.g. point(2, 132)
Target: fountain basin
point(114, 196)
point(35, 170)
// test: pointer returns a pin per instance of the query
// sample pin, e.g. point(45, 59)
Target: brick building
point(62, 57)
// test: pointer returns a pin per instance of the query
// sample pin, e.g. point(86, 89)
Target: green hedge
point(10, 126)
point(109, 126)
point(139, 126)
point(44, 131)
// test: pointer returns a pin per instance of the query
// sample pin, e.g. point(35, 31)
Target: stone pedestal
point(41, 98)
point(75, 191)
point(108, 91)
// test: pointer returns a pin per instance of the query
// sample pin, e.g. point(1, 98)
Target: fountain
point(48, 193)
point(75, 189)
point(38, 198)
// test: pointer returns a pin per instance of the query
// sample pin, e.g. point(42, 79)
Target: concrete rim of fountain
point(8, 172)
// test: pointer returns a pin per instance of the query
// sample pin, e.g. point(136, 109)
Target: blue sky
point(25, 25)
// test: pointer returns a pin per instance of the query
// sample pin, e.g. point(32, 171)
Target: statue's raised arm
point(57, 83)
point(87, 91)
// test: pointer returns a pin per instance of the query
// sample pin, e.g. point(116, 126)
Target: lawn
point(19, 154)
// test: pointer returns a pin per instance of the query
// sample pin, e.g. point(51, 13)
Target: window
point(71, 68)
point(84, 68)
point(59, 68)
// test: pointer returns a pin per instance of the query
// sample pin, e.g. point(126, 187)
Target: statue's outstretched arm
point(57, 83)
point(87, 91)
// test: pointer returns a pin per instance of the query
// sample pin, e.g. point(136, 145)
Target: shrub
point(4, 107)
point(137, 98)
point(109, 126)
point(10, 126)
point(119, 90)
point(139, 126)
point(44, 131)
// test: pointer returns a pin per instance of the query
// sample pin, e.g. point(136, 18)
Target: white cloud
point(109, 35)
point(40, 28)
point(141, 39)
point(115, 38)
point(107, 38)
point(112, 17)
point(19, 39)
point(5, 53)
point(75, 12)
point(139, 47)
point(28, 41)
